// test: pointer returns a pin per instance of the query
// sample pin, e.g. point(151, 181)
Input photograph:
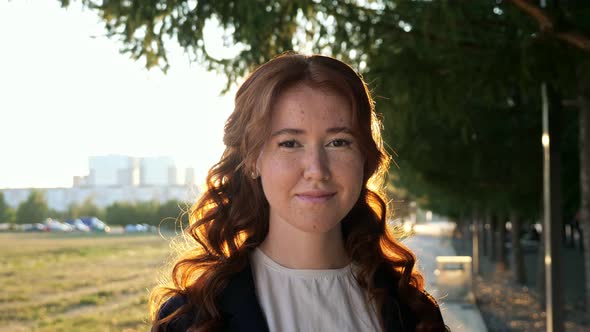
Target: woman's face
point(311, 166)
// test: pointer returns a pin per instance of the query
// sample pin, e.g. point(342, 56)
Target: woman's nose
point(316, 166)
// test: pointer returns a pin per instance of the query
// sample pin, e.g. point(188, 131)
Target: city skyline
point(68, 93)
point(183, 176)
point(117, 178)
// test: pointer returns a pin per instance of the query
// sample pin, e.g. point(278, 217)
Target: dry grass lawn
point(78, 282)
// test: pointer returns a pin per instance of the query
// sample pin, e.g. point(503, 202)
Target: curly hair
point(231, 217)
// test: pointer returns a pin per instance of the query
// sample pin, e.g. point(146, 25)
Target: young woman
point(291, 233)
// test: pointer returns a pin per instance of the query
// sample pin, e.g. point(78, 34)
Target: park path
point(427, 243)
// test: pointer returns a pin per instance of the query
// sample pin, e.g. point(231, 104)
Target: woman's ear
point(252, 167)
point(257, 163)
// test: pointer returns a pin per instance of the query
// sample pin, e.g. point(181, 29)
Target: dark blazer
point(241, 311)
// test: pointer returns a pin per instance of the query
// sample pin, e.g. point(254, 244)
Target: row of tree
point(35, 209)
point(458, 84)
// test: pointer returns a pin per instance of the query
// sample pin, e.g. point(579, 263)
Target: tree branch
point(537, 13)
point(575, 39)
point(546, 25)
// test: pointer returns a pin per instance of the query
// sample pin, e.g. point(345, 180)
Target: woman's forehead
point(303, 104)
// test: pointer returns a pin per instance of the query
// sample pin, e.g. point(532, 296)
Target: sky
point(67, 93)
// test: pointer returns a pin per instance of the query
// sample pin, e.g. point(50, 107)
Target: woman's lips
point(315, 196)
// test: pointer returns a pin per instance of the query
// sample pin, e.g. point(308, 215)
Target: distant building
point(118, 170)
point(172, 176)
point(113, 170)
point(60, 198)
point(117, 178)
point(189, 177)
point(80, 181)
point(157, 171)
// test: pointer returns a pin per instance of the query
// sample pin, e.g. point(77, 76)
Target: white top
point(311, 300)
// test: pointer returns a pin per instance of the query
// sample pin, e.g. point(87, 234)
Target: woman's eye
point(339, 143)
point(288, 144)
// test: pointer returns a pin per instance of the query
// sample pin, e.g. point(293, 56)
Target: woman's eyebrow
point(294, 131)
point(337, 130)
point(291, 131)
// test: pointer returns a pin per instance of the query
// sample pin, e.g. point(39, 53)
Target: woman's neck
point(295, 249)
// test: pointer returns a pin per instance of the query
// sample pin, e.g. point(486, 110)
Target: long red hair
point(231, 217)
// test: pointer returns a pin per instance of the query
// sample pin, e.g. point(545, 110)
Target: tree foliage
point(34, 209)
point(7, 214)
point(458, 84)
point(86, 208)
point(171, 212)
point(150, 212)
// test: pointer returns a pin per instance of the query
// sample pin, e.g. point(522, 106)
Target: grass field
point(78, 282)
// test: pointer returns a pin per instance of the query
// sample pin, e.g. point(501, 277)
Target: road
point(428, 243)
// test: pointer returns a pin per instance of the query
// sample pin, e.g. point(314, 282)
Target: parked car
point(36, 227)
point(95, 224)
point(53, 225)
point(530, 239)
point(4, 227)
point(135, 228)
point(78, 225)
point(144, 228)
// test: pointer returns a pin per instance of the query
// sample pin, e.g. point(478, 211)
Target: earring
point(253, 175)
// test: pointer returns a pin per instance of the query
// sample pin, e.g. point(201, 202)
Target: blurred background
point(113, 111)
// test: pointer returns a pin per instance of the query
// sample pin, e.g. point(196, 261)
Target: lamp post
point(551, 227)
point(547, 209)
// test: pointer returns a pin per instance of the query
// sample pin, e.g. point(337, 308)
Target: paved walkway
point(427, 244)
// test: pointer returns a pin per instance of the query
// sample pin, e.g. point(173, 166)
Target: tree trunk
point(572, 238)
point(493, 236)
point(484, 227)
point(584, 109)
point(518, 271)
point(564, 227)
point(500, 250)
point(541, 268)
point(475, 244)
point(581, 239)
point(555, 268)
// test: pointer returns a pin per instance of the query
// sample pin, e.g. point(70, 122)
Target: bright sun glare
point(67, 94)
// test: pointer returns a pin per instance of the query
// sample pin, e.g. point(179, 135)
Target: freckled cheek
point(350, 164)
point(281, 168)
